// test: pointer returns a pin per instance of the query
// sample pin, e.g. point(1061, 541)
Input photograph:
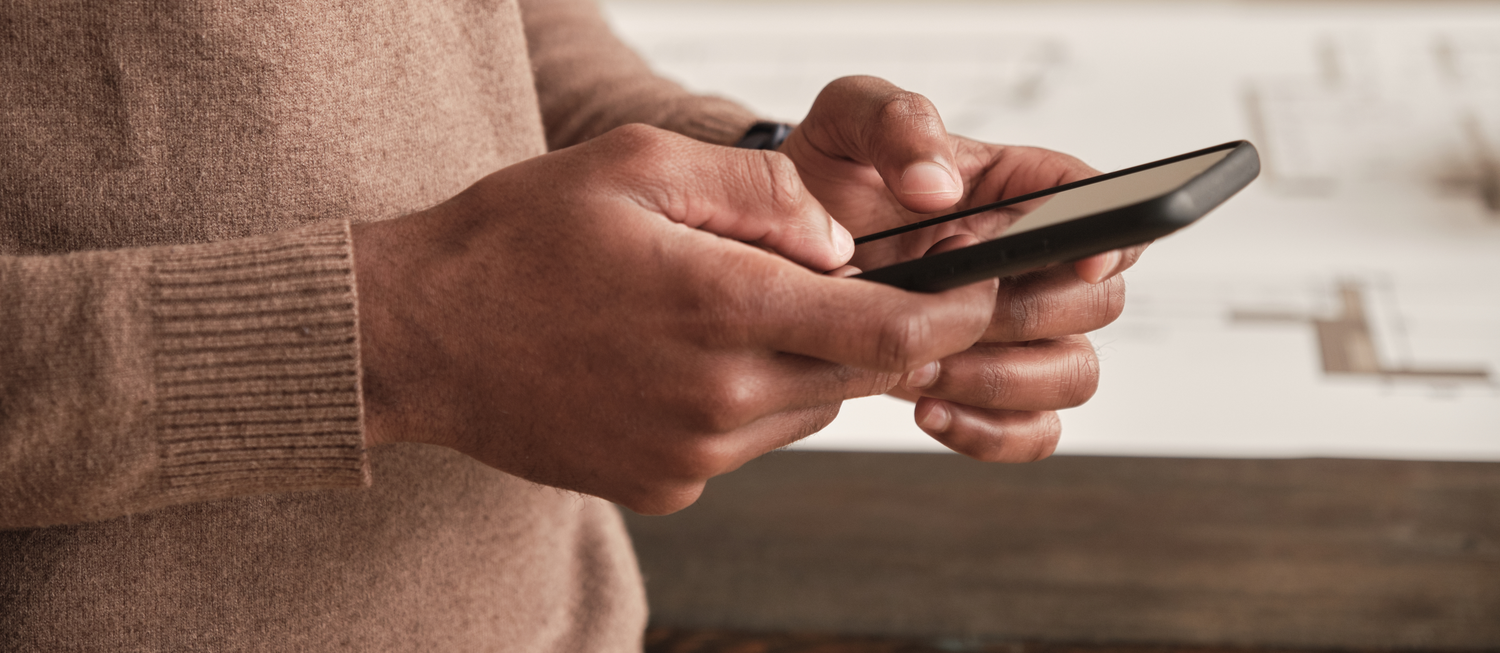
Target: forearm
point(589, 82)
point(135, 379)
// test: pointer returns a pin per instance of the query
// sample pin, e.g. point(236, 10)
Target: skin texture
point(878, 157)
point(573, 320)
point(634, 315)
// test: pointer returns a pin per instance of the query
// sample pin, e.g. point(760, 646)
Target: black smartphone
point(1069, 222)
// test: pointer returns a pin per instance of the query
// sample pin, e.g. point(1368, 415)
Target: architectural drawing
point(1440, 108)
point(1347, 344)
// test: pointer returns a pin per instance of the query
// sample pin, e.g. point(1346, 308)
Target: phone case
point(1079, 238)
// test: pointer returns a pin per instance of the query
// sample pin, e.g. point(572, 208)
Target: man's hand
point(877, 157)
point(572, 320)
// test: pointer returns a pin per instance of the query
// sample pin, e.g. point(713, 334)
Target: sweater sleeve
point(137, 379)
point(589, 82)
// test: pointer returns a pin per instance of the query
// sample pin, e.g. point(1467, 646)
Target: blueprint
point(1347, 304)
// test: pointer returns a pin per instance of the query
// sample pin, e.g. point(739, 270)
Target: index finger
point(1019, 170)
point(1006, 171)
point(752, 196)
point(878, 327)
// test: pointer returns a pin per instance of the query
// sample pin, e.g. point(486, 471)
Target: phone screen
point(1050, 207)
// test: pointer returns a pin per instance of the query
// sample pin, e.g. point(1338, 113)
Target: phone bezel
point(1077, 238)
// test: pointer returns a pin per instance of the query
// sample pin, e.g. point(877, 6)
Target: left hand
point(878, 157)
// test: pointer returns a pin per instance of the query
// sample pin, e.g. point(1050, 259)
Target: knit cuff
point(256, 363)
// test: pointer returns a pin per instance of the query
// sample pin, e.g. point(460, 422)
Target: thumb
point(899, 133)
point(777, 212)
point(753, 196)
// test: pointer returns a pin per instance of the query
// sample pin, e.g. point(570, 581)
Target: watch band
point(765, 136)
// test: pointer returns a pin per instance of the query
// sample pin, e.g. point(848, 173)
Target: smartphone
point(1069, 222)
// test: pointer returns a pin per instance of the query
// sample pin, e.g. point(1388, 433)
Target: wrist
point(386, 310)
point(370, 285)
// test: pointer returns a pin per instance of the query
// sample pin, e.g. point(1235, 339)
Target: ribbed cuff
point(257, 364)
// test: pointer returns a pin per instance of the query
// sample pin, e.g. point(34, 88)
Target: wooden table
point(936, 550)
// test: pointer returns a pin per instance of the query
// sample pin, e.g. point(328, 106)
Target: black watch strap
point(765, 136)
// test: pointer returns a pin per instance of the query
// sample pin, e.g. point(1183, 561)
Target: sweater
point(181, 448)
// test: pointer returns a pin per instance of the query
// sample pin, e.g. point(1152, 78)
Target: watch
point(764, 136)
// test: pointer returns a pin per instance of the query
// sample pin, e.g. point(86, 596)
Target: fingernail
point(843, 241)
point(1113, 261)
point(928, 178)
point(922, 376)
point(936, 420)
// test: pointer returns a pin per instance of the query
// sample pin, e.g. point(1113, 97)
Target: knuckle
point(1110, 301)
point(1049, 433)
point(780, 181)
point(631, 158)
point(1027, 311)
point(634, 136)
point(905, 108)
point(639, 149)
point(900, 340)
point(858, 382)
point(995, 385)
point(1047, 437)
point(724, 403)
point(1080, 376)
point(875, 383)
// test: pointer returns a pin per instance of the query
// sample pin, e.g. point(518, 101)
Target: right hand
point(572, 320)
point(879, 157)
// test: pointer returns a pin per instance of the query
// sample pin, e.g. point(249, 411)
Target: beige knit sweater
point(180, 421)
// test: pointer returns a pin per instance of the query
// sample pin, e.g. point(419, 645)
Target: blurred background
point(1294, 442)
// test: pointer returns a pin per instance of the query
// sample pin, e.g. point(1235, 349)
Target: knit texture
point(181, 465)
point(135, 380)
point(257, 386)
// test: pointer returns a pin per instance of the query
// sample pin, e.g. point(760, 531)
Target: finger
point(753, 196)
point(899, 133)
point(726, 397)
point(1098, 268)
point(872, 326)
point(770, 433)
point(794, 381)
point(951, 243)
point(990, 435)
point(1038, 375)
point(1051, 303)
point(1019, 170)
point(844, 272)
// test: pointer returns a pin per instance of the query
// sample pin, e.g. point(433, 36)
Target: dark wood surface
point(1260, 554)
point(676, 640)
